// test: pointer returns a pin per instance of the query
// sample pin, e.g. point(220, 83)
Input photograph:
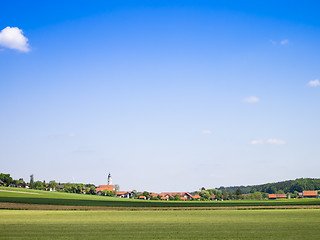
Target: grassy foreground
point(59, 198)
point(193, 224)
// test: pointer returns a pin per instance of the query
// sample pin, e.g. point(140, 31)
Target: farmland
point(194, 224)
point(25, 196)
point(140, 219)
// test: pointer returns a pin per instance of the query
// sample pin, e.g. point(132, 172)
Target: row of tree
point(289, 186)
point(255, 192)
point(6, 180)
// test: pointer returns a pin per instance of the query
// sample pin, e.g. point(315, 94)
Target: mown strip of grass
point(109, 203)
point(204, 224)
point(56, 198)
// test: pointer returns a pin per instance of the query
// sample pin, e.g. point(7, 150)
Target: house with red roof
point(196, 197)
point(108, 187)
point(277, 196)
point(101, 188)
point(213, 197)
point(309, 194)
point(125, 194)
point(184, 195)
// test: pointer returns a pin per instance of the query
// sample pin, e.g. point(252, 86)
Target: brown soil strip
point(20, 192)
point(22, 206)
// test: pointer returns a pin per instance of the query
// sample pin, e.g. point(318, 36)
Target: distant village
point(113, 191)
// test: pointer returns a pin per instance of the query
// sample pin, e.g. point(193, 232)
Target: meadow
point(28, 196)
point(159, 224)
point(140, 222)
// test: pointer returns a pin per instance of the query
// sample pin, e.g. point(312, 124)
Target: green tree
point(135, 193)
point(79, 188)
point(93, 190)
point(53, 184)
point(204, 194)
point(38, 185)
point(6, 178)
point(73, 188)
point(231, 195)
point(265, 195)
point(225, 195)
point(87, 190)
point(256, 196)
point(31, 181)
point(67, 188)
point(177, 197)
point(238, 194)
point(107, 193)
point(20, 183)
point(295, 194)
point(218, 195)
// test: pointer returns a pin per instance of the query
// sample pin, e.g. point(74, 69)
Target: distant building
point(167, 195)
point(309, 194)
point(108, 187)
point(172, 194)
point(125, 194)
point(277, 196)
point(196, 197)
point(109, 179)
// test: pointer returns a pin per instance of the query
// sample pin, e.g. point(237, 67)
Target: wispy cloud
point(276, 141)
point(13, 38)
point(255, 142)
point(207, 132)
point(269, 141)
point(282, 42)
point(314, 83)
point(251, 99)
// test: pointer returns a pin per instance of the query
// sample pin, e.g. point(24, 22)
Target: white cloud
point(282, 42)
point(207, 132)
point(270, 141)
point(314, 83)
point(255, 142)
point(273, 42)
point(251, 99)
point(13, 38)
point(276, 141)
point(71, 134)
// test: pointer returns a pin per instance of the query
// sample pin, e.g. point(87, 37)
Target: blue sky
point(165, 95)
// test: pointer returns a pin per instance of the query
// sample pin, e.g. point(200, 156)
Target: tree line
point(254, 192)
point(8, 181)
point(289, 186)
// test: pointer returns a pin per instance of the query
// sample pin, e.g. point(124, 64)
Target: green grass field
point(59, 198)
point(192, 224)
point(153, 224)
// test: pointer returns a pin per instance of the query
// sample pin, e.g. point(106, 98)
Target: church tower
point(109, 179)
